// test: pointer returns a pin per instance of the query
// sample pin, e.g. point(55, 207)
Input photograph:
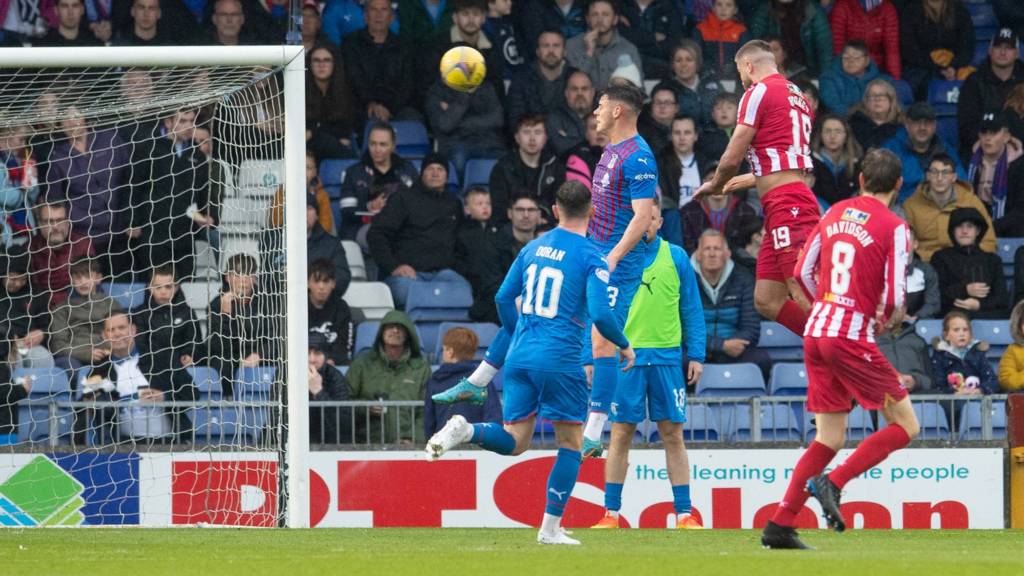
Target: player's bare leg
point(615, 466)
point(602, 391)
point(678, 463)
point(902, 429)
point(784, 303)
point(561, 482)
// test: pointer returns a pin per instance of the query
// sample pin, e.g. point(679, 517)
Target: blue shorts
point(554, 396)
point(624, 281)
point(656, 390)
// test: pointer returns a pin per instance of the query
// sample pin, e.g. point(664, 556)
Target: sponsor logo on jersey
point(840, 300)
point(795, 211)
point(854, 215)
point(602, 275)
point(645, 176)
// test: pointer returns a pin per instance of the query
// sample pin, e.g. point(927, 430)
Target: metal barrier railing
point(234, 424)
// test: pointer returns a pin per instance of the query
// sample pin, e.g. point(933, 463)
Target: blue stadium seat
point(980, 52)
point(207, 382)
point(788, 379)
point(543, 432)
point(943, 95)
point(859, 425)
point(970, 421)
point(778, 423)
point(996, 333)
point(332, 175)
point(982, 15)
point(948, 131)
point(128, 295)
point(485, 333)
point(439, 301)
point(220, 425)
point(929, 329)
point(253, 384)
point(731, 380)
point(904, 93)
point(1007, 248)
point(47, 384)
point(780, 344)
point(639, 435)
point(411, 139)
point(366, 333)
point(478, 172)
point(931, 417)
point(701, 424)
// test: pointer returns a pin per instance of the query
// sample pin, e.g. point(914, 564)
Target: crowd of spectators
point(95, 203)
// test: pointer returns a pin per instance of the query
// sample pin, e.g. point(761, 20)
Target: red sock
point(792, 316)
point(871, 451)
point(814, 460)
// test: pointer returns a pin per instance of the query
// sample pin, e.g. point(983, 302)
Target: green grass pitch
point(465, 552)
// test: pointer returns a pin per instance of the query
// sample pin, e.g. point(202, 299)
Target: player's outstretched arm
point(642, 210)
point(730, 162)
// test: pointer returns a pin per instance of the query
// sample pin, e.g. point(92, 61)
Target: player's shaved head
point(573, 200)
point(881, 170)
point(756, 52)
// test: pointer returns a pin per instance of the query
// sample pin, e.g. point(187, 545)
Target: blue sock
point(562, 480)
point(681, 498)
point(496, 352)
point(612, 496)
point(492, 436)
point(602, 391)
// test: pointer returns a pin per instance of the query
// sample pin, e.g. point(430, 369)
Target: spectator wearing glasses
point(655, 123)
point(331, 113)
point(844, 83)
point(878, 117)
point(53, 248)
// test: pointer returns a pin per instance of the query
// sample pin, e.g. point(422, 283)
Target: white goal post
point(289, 62)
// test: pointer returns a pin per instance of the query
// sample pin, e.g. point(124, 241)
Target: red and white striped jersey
point(779, 112)
point(853, 265)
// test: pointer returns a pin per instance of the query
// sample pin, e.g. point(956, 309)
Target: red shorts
point(790, 213)
point(839, 370)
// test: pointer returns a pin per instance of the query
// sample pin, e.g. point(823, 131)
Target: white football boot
point(456, 431)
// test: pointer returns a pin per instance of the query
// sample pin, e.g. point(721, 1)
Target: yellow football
point(463, 68)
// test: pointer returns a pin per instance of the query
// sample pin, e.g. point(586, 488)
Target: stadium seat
point(859, 425)
point(245, 215)
point(980, 52)
point(996, 333)
point(411, 139)
point(220, 425)
point(701, 424)
point(943, 95)
point(485, 333)
point(982, 14)
point(47, 384)
point(366, 333)
point(253, 384)
point(356, 262)
point(780, 344)
point(948, 131)
point(741, 380)
point(332, 175)
point(931, 417)
point(929, 329)
point(129, 295)
point(438, 301)
point(373, 299)
point(778, 423)
point(207, 382)
point(198, 295)
point(904, 93)
point(788, 379)
point(543, 432)
point(970, 421)
point(478, 173)
point(1007, 249)
point(261, 174)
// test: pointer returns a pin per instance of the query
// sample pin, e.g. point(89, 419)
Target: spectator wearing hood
point(458, 351)
point(846, 79)
point(1011, 366)
point(874, 22)
point(971, 279)
point(929, 208)
point(989, 169)
point(413, 237)
point(917, 145)
point(393, 369)
point(987, 89)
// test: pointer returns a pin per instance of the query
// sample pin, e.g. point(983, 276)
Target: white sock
point(483, 375)
point(595, 426)
point(550, 523)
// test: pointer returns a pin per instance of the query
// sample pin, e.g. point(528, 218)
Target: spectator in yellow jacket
point(1011, 366)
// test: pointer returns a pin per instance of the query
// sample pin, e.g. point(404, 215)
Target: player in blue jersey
point(561, 280)
point(625, 182)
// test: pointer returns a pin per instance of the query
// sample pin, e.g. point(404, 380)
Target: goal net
point(152, 267)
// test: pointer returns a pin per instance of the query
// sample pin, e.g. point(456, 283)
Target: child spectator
point(971, 279)
point(1011, 366)
point(166, 324)
point(28, 315)
point(459, 347)
point(836, 153)
point(330, 320)
point(478, 256)
point(76, 328)
point(714, 138)
point(243, 325)
point(19, 182)
point(313, 189)
point(959, 365)
point(720, 36)
point(327, 425)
